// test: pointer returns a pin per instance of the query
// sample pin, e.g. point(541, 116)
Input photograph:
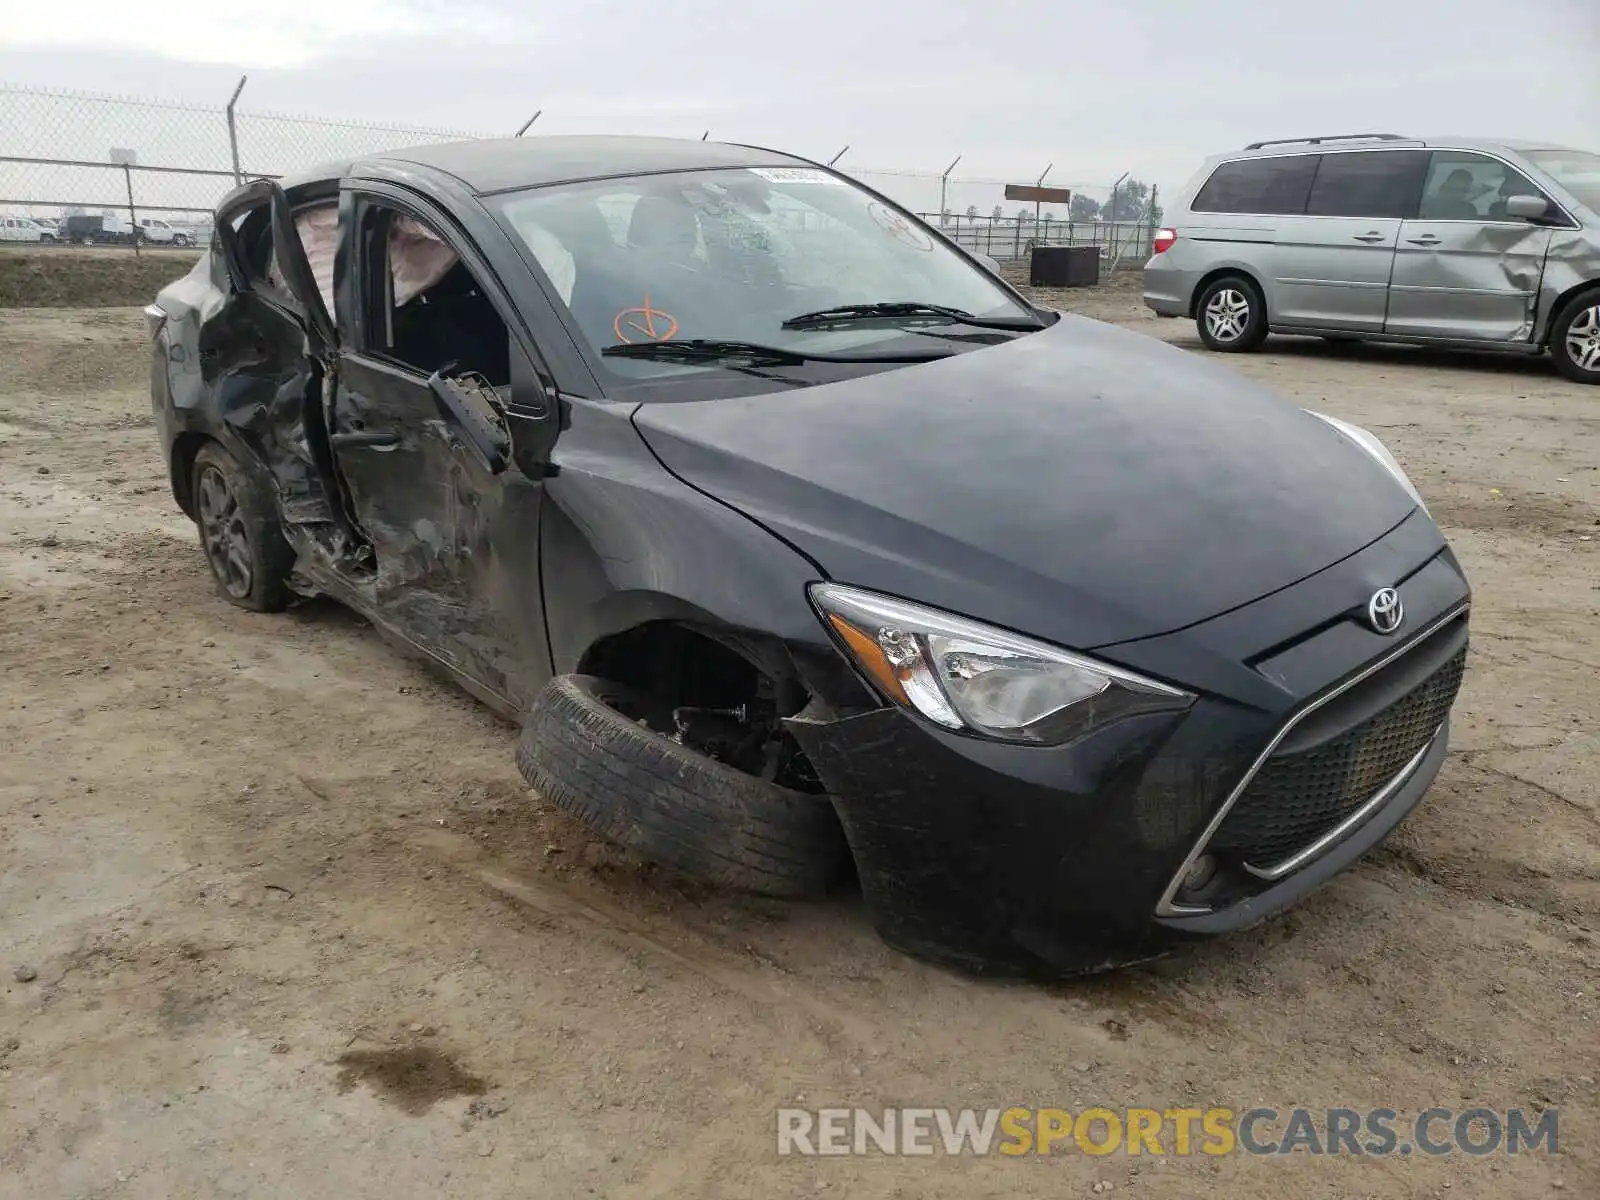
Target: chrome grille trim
point(1166, 906)
point(1301, 857)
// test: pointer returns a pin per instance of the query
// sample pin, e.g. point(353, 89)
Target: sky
point(1093, 90)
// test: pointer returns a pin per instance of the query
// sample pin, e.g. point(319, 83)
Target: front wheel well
point(1211, 277)
point(680, 663)
point(1561, 302)
point(722, 692)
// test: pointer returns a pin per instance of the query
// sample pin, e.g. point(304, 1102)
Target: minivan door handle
point(1370, 237)
point(1426, 239)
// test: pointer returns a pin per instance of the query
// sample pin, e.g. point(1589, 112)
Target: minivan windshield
point(1576, 170)
point(722, 258)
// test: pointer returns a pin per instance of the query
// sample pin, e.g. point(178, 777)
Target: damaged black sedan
point(796, 542)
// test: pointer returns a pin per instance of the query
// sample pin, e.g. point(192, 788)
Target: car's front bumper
point(1059, 860)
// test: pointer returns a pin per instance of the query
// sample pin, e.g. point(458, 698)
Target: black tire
point(669, 803)
point(1246, 313)
point(1575, 337)
point(237, 517)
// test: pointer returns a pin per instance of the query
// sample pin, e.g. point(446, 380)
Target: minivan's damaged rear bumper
point(1014, 859)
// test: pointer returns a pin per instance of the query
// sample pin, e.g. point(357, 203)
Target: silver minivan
point(1439, 241)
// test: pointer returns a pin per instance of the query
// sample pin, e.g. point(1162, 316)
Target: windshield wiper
point(708, 350)
point(847, 313)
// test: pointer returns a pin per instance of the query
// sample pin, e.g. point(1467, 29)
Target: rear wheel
point(239, 532)
point(1575, 338)
point(1231, 316)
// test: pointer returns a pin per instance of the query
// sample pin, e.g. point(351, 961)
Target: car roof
point(501, 164)
point(1315, 145)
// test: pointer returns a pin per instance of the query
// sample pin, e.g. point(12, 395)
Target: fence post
point(233, 131)
point(1115, 188)
point(1155, 219)
point(133, 217)
point(944, 183)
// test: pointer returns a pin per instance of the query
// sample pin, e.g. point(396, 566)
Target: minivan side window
point(1277, 185)
point(1463, 186)
point(1372, 183)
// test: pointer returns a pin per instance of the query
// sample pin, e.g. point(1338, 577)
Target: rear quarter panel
point(1209, 242)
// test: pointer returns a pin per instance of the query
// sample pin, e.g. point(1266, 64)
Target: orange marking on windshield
point(646, 323)
point(898, 227)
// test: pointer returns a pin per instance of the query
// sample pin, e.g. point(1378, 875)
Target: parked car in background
point(49, 228)
point(20, 229)
point(788, 532)
point(163, 233)
point(88, 229)
point(1438, 241)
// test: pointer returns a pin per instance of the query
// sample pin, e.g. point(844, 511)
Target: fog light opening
point(1200, 873)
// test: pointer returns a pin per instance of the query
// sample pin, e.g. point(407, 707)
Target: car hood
point(1085, 484)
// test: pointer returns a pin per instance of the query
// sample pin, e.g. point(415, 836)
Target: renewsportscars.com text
point(1378, 1132)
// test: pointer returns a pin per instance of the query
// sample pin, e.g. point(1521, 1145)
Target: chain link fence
point(78, 168)
point(1126, 242)
point(81, 168)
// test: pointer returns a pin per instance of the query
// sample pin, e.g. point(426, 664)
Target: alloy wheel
point(223, 534)
point(1227, 314)
point(1583, 339)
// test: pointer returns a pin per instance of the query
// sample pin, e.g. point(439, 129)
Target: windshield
point(1576, 170)
point(730, 255)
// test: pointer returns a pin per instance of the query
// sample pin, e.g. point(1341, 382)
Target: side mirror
point(474, 408)
point(1528, 208)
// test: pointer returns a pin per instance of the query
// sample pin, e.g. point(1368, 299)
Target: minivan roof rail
point(1331, 137)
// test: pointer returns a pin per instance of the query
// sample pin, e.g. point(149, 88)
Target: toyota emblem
point(1385, 611)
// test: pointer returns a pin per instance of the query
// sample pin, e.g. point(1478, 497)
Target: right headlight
point(968, 676)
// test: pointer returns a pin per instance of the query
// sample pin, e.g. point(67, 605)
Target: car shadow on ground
point(1310, 348)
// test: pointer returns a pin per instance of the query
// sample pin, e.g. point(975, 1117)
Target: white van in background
point(20, 229)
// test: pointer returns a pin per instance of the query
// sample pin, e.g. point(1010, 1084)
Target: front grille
point(1299, 796)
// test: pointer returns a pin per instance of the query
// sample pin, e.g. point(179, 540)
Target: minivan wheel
point(588, 747)
point(1231, 315)
point(1575, 338)
point(239, 532)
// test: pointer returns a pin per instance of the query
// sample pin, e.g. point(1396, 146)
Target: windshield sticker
point(898, 227)
point(644, 324)
point(796, 175)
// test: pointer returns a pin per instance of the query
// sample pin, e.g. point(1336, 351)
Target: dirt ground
point(70, 276)
point(277, 917)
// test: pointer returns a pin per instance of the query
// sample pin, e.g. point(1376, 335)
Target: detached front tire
point(236, 514)
point(585, 747)
point(1575, 338)
point(1231, 316)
